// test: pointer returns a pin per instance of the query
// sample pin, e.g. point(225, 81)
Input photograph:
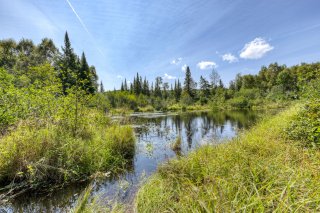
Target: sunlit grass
point(258, 171)
point(36, 156)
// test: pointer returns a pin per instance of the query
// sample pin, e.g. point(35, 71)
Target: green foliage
point(305, 127)
point(52, 123)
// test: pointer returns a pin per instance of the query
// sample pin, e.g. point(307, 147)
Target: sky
point(162, 37)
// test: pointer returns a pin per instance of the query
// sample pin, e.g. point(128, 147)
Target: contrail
point(84, 26)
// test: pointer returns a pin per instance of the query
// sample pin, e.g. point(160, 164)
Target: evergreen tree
point(221, 84)
point(177, 90)
point(189, 84)
point(151, 89)
point(69, 68)
point(125, 86)
point(101, 87)
point(84, 76)
point(157, 87)
point(145, 89)
point(122, 87)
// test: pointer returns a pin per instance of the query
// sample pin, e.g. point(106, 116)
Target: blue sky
point(159, 37)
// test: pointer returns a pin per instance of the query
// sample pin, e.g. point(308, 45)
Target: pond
point(155, 134)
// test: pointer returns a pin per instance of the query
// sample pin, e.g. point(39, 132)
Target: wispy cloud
point(83, 25)
point(229, 58)
point(78, 17)
point(176, 61)
point(255, 49)
point(204, 65)
point(184, 67)
point(120, 76)
point(168, 77)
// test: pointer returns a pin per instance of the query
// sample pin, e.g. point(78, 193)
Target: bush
point(239, 102)
point(306, 125)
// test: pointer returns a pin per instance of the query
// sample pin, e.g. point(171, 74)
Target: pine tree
point(157, 87)
point(151, 89)
point(189, 84)
point(84, 78)
point(145, 87)
point(177, 90)
point(101, 87)
point(131, 88)
point(68, 65)
point(122, 87)
point(221, 84)
point(125, 86)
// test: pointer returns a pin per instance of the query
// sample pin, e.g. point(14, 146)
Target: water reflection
point(155, 135)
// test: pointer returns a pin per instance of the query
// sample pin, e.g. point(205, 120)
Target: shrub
point(306, 125)
point(239, 102)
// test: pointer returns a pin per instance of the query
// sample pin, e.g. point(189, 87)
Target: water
point(155, 134)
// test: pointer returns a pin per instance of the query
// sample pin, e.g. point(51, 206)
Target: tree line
point(72, 70)
point(272, 83)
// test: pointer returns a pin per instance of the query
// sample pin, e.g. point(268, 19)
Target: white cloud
point(204, 65)
point(119, 76)
point(176, 61)
point(255, 49)
point(229, 58)
point(168, 77)
point(184, 67)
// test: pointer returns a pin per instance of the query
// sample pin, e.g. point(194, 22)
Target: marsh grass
point(176, 146)
point(34, 157)
point(94, 204)
point(260, 170)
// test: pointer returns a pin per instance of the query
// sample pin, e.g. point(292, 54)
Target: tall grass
point(261, 170)
point(53, 154)
point(87, 204)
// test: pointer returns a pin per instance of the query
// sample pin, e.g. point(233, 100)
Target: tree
point(83, 77)
point(8, 53)
point(215, 78)
point(238, 82)
point(26, 56)
point(125, 85)
point(204, 87)
point(189, 84)
point(94, 80)
point(179, 90)
point(46, 51)
point(68, 65)
point(165, 87)
point(145, 87)
point(157, 87)
point(122, 87)
point(101, 87)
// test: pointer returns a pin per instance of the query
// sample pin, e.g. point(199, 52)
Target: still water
point(155, 134)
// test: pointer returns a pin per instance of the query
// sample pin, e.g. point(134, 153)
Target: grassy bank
point(261, 170)
point(33, 157)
